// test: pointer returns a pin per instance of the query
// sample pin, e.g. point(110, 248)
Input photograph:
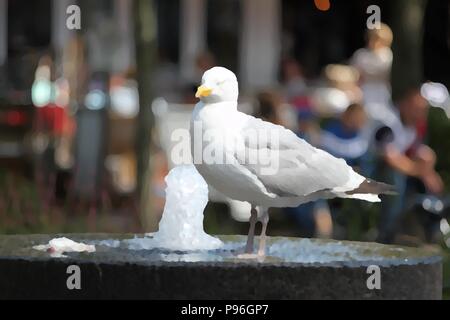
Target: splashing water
point(181, 225)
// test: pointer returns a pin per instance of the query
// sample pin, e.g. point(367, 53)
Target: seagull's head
point(218, 85)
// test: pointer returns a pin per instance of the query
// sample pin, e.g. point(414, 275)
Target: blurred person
point(269, 107)
point(344, 78)
point(293, 79)
point(374, 63)
point(341, 90)
point(404, 158)
point(343, 137)
point(308, 126)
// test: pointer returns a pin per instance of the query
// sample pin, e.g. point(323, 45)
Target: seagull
point(267, 165)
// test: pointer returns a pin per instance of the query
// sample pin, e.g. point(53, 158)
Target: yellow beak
point(203, 91)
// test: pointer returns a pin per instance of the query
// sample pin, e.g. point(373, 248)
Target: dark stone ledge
point(121, 273)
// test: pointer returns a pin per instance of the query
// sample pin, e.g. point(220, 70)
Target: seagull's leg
point(251, 230)
point(262, 238)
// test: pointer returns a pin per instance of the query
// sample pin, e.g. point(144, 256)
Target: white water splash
point(181, 225)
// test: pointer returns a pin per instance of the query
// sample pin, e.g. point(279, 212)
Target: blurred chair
point(172, 117)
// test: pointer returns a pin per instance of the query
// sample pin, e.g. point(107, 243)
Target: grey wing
point(289, 166)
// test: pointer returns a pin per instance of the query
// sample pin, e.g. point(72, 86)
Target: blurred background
point(86, 114)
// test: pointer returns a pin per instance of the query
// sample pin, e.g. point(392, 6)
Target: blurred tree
point(436, 53)
point(406, 23)
point(436, 41)
point(146, 51)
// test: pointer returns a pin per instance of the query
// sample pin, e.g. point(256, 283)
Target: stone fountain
point(293, 269)
point(181, 261)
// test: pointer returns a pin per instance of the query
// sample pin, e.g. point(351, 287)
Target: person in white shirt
point(374, 63)
point(398, 141)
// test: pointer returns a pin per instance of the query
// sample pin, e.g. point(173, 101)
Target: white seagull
point(277, 169)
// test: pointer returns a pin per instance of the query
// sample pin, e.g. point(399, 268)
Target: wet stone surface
point(128, 267)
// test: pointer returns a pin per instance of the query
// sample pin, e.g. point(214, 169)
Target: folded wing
point(289, 166)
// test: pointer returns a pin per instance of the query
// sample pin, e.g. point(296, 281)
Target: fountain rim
point(421, 257)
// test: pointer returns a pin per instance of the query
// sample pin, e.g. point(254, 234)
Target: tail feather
point(373, 187)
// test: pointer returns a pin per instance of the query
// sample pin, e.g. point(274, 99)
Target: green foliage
point(446, 269)
point(439, 140)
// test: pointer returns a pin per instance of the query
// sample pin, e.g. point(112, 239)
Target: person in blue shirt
point(344, 137)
